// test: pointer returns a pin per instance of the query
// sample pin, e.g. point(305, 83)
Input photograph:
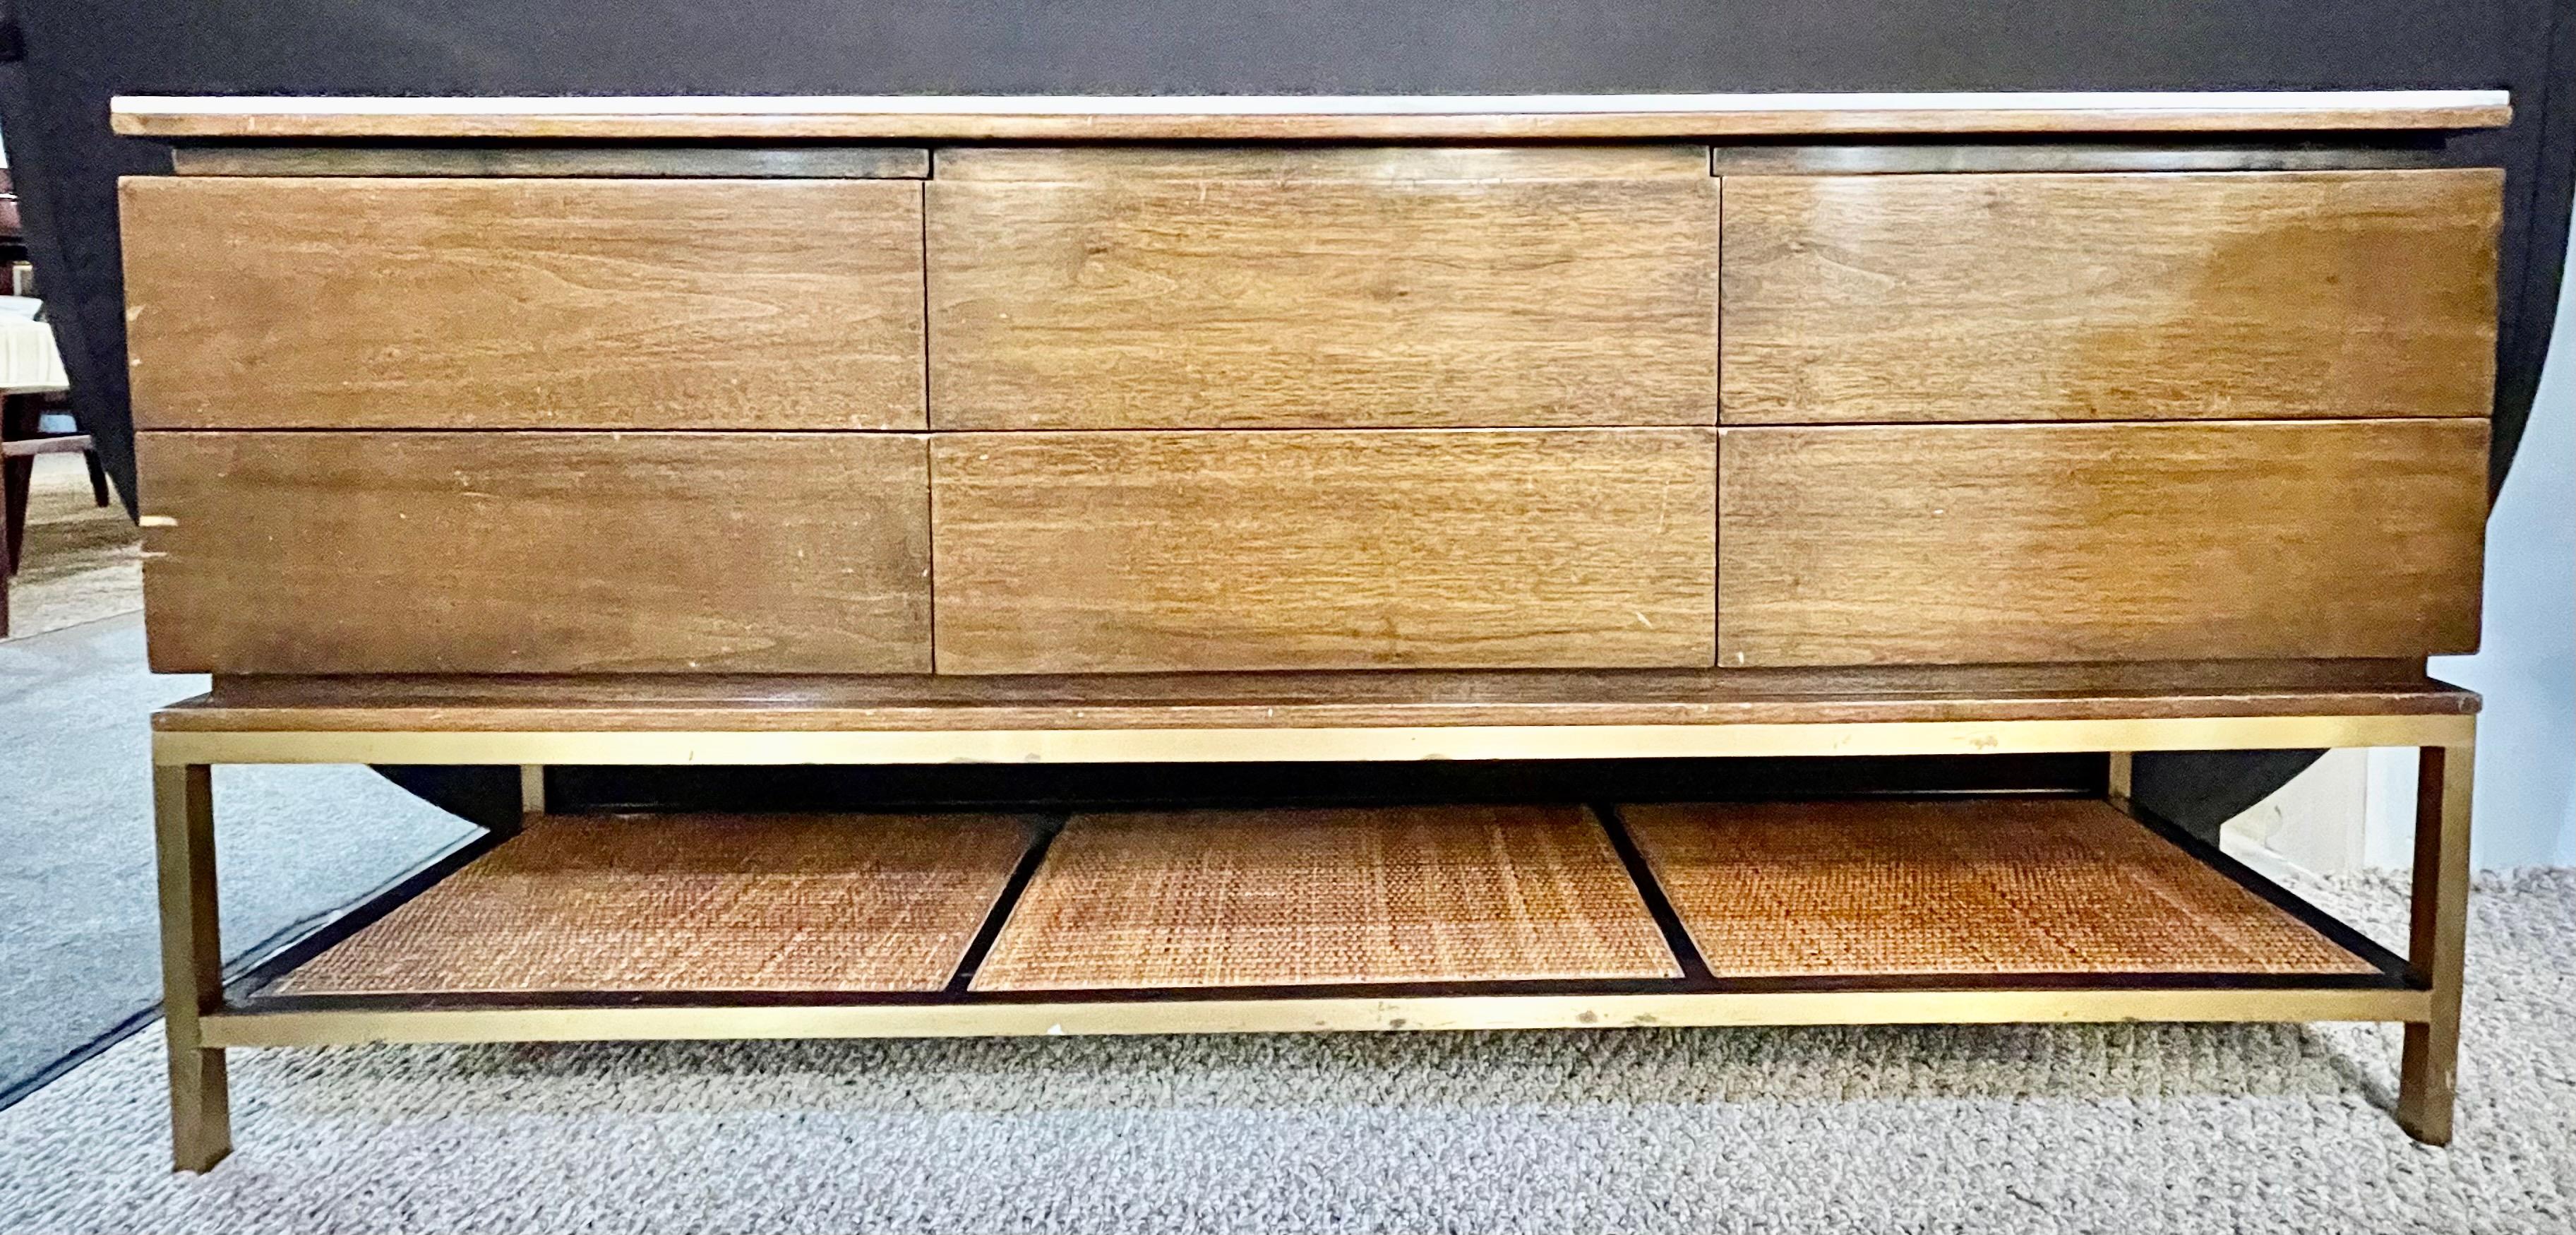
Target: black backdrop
point(61, 60)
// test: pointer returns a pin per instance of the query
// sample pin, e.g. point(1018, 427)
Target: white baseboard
point(2323, 821)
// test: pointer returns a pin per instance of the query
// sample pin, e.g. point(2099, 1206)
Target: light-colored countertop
point(913, 118)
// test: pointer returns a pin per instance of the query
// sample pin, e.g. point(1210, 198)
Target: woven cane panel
point(745, 903)
point(1988, 886)
point(1288, 897)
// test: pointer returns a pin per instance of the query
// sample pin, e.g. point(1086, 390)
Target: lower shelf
point(798, 903)
point(1976, 886)
point(1327, 897)
point(1439, 917)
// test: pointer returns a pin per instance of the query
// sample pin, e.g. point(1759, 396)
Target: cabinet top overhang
point(1538, 117)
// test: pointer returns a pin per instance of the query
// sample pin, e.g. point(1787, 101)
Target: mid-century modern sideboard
point(915, 430)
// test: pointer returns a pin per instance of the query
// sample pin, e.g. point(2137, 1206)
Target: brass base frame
point(202, 1024)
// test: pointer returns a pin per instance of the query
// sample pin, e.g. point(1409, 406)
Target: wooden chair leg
point(19, 416)
point(97, 477)
point(2428, 1077)
point(192, 965)
point(22, 474)
point(8, 560)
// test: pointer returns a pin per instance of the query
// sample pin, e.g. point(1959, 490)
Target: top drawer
point(285, 302)
point(1322, 288)
point(2233, 295)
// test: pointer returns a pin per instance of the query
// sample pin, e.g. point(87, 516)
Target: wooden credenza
point(1021, 410)
point(904, 430)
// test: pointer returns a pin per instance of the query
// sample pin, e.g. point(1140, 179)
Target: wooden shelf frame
point(2421, 991)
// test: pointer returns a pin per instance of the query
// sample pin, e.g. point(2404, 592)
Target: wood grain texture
point(1957, 544)
point(2110, 296)
point(1921, 158)
point(1280, 295)
point(361, 302)
point(1333, 164)
point(1155, 552)
point(737, 702)
point(667, 161)
point(1550, 117)
point(433, 552)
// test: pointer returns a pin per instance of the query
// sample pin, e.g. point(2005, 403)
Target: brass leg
point(2428, 1076)
point(532, 790)
point(2119, 784)
point(192, 964)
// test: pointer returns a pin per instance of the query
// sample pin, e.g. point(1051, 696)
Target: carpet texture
point(2010, 1128)
point(80, 947)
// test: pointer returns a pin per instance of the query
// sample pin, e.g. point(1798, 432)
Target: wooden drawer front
point(536, 552)
point(2235, 295)
point(361, 302)
point(1288, 289)
point(1959, 544)
point(1147, 551)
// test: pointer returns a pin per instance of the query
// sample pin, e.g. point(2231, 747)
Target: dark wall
point(61, 60)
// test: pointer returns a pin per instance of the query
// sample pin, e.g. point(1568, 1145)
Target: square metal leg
point(2120, 778)
point(2428, 1076)
point(192, 964)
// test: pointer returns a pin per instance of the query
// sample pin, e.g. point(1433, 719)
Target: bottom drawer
point(1959, 544)
point(1091, 552)
point(433, 552)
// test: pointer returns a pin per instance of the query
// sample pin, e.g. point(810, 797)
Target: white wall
point(2526, 665)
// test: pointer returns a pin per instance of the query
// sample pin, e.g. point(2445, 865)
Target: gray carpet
point(79, 944)
point(2114, 1129)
